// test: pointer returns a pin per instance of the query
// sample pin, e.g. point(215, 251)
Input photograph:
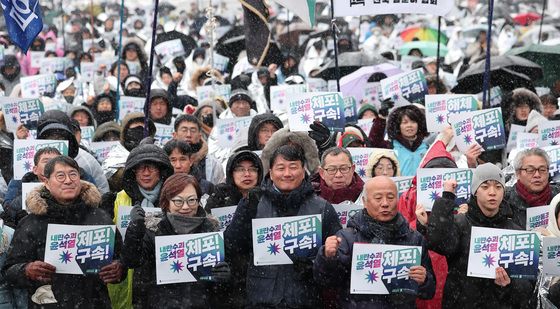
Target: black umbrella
point(188, 42)
point(233, 46)
point(519, 69)
point(348, 63)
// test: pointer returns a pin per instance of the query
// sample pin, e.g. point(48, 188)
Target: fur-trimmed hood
point(37, 205)
point(284, 137)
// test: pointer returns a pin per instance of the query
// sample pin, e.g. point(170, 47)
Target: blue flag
point(24, 21)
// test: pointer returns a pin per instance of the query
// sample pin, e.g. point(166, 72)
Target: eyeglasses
point(531, 170)
point(243, 170)
point(149, 167)
point(343, 169)
point(61, 176)
point(179, 202)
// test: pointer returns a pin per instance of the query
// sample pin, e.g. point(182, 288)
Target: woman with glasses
point(182, 214)
point(382, 162)
point(63, 199)
point(244, 172)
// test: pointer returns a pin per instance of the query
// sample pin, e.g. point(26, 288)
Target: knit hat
point(534, 119)
point(485, 172)
point(364, 108)
point(238, 95)
point(348, 138)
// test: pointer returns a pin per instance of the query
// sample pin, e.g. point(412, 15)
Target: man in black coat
point(450, 235)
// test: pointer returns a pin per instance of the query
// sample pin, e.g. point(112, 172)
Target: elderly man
point(63, 199)
point(337, 180)
point(532, 187)
point(284, 192)
point(240, 105)
point(378, 222)
point(450, 235)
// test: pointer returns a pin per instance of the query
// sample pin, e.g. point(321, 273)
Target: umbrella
point(353, 84)
point(188, 42)
point(422, 34)
point(232, 47)
point(291, 38)
point(427, 48)
point(546, 56)
point(525, 19)
point(348, 63)
point(473, 31)
point(532, 35)
point(508, 72)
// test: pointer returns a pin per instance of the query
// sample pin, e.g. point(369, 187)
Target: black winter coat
point(28, 245)
point(450, 236)
point(518, 207)
point(363, 229)
point(280, 286)
point(139, 253)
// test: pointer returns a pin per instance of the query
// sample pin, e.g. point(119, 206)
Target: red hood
point(437, 150)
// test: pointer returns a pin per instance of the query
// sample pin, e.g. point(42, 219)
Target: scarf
point(150, 197)
point(388, 232)
point(350, 193)
point(534, 199)
point(184, 225)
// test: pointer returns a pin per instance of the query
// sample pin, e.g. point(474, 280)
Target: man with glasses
point(63, 199)
point(337, 180)
point(532, 188)
point(261, 129)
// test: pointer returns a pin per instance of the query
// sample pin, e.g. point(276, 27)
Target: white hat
point(65, 85)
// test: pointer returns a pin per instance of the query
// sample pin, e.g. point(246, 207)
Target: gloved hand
point(137, 217)
point(254, 196)
point(386, 105)
point(322, 135)
point(221, 272)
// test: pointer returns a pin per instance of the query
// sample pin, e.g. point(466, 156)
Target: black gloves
point(386, 105)
point(322, 136)
point(136, 225)
point(221, 272)
point(254, 196)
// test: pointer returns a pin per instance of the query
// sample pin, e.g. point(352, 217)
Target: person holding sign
point(533, 186)
point(285, 192)
point(450, 236)
point(380, 223)
point(182, 214)
point(63, 199)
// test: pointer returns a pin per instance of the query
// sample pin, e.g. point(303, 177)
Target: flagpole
point(334, 29)
point(119, 55)
point(438, 49)
point(148, 83)
point(62, 26)
point(542, 19)
point(91, 21)
point(210, 27)
point(486, 83)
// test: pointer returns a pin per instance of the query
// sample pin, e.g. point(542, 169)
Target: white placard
point(224, 215)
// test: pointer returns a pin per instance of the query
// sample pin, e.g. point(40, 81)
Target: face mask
point(103, 117)
point(208, 120)
point(133, 137)
point(134, 93)
point(69, 98)
point(199, 61)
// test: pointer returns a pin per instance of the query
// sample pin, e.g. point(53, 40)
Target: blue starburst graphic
point(305, 118)
point(553, 143)
point(362, 172)
point(468, 139)
point(434, 196)
point(488, 260)
point(177, 266)
point(15, 119)
point(65, 257)
point(371, 277)
point(273, 248)
point(27, 166)
point(230, 137)
point(440, 119)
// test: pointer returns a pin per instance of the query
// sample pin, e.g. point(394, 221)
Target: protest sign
point(209, 92)
point(537, 217)
point(403, 183)
point(27, 187)
point(516, 251)
point(35, 58)
point(377, 7)
point(168, 50)
point(409, 86)
point(187, 257)
point(87, 70)
point(123, 216)
point(332, 85)
point(317, 85)
point(231, 130)
point(347, 210)
point(24, 151)
point(430, 185)
point(57, 105)
point(21, 111)
point(360, 158)
point(512, 139)
point(87, 133)
point(164, 133)
point(365, 125)
point(79, 249)
point(527, 140)
point(383, 269)
point(372, 94)
point(280, 96)
point(37, 85)
point(495, 96)
point(129, 105)
point(440, 106)
point(350, 110)
point(553, 153)
point(326, 107)
point(407, 61)
point(224, 215)
point(276, 239)
point(551, 256)
point(101, 150)
point(549, 132)
point(220, 62)
point(484, 127)
point(52, 65)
